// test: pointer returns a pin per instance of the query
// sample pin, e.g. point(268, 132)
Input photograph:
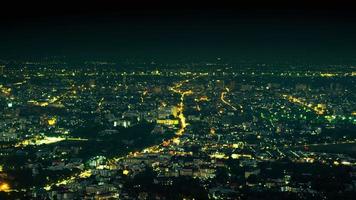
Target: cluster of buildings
point(227, 133)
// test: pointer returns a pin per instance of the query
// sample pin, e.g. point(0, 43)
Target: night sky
point(266, 31)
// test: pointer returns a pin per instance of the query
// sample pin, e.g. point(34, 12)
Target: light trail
point(222, 98)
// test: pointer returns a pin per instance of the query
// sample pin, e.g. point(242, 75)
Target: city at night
point(178, 100)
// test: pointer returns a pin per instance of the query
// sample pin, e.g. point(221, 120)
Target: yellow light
point(203, 98)
point(85, 174)
point(41, 141)
point(238, 145)
point(327, 74)
point(176, 140)
point(212, 131)
point(168, 121)
point(175, 111)
point(47, 187)
point(235, 156)
point(345, 163)
point(52, 121)
point(219, 156)
point(125, 172)
point(42, 104)
point(319, 109)
point(4, 187)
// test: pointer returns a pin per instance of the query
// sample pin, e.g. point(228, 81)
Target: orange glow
point(202, 98)
point(166, 143)
point(4, 187)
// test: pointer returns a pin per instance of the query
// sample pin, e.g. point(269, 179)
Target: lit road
point(111, 164)
point(46, 140)
point(183, 123)
point(326, 143)
point(319, 109)
point(222, 98)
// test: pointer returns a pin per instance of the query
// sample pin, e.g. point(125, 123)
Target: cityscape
point(208, 132)
point(187, 100)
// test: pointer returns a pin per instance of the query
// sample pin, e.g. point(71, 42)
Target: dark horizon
point(318, 32)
